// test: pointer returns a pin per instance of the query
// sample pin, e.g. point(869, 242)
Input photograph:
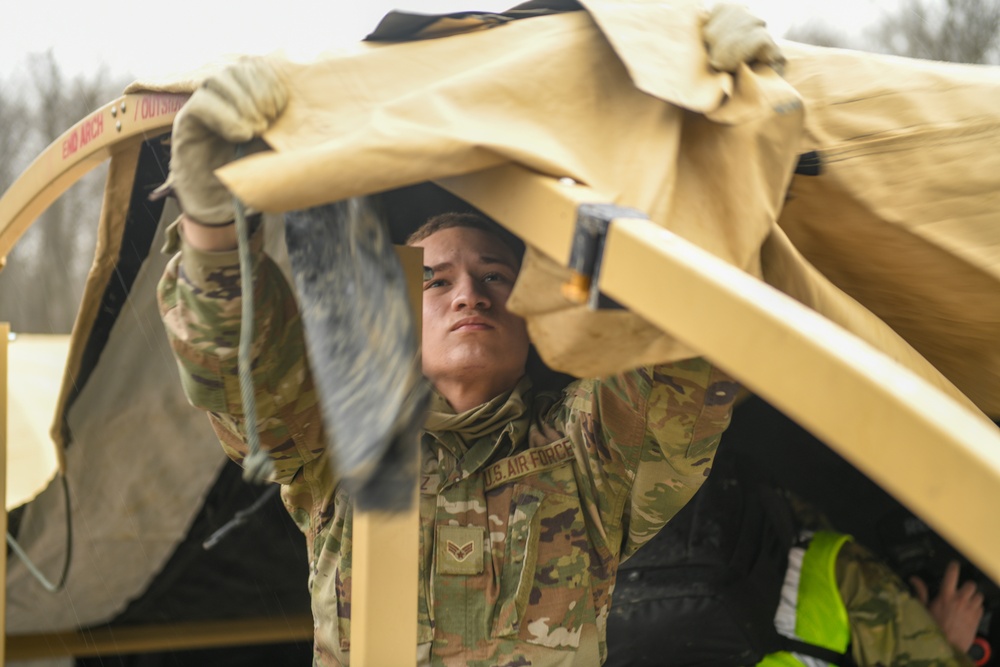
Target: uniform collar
point(475, 435)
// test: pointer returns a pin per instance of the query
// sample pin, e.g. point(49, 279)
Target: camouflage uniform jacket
point(527, 502)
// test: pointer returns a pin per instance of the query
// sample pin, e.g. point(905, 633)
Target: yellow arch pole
point(933, 454)
point(81, 148)
point(113, 129)
point(386, 547)
point(4, 339)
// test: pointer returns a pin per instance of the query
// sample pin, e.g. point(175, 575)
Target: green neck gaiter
point(465, 432)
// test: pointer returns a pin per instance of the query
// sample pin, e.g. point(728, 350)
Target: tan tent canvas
point(35, 366)
point(704, 155)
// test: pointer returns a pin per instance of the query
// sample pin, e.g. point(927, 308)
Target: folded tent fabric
point(903, 217)
point(596, 96)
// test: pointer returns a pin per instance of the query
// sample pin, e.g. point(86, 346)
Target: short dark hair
point(463, 219)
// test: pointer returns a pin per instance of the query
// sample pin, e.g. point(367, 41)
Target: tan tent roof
point(702, 154)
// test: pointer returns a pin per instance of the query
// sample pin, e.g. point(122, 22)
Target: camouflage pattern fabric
point(527, 503)
point(889, 626)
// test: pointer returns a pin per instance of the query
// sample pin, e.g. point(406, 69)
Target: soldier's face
point(468, 333)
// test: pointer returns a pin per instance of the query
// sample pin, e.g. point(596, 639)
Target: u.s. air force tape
point(528, 462)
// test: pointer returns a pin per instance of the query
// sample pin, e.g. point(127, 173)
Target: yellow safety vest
point(820, 614)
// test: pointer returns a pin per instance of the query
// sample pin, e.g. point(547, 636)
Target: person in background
point(754, 552)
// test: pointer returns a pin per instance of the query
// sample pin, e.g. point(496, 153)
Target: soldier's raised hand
point(734, 36)
point(231, 107)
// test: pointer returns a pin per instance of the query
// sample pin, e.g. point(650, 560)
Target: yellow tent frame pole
point(159, 637)
point(77, 151)
point(933, 454)
point(111, 130)
point(385, 549)
point(4, 396)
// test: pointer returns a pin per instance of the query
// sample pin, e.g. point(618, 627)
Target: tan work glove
point(231, 107)
point(734, 36)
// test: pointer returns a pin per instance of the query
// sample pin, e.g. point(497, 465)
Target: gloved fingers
point(734, 36)
point(195, 153)
point(726, 18)
point(241, 101)
point(770, 53)
point(166, 189)
point(232, 107)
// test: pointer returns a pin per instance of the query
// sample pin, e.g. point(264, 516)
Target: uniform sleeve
point(200, 300)
point(889, 626)
point(648, 439)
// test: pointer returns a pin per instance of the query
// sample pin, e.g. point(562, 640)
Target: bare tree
point(14, 124)
point(41, 286)
point(961, 31)
point(818, 34)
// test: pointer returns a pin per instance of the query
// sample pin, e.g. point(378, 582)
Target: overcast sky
point(148, 39)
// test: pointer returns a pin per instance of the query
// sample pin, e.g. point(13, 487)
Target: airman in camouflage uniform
point(889, 626)
point(527, 502)
point(836, 595)
point(880, 623)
